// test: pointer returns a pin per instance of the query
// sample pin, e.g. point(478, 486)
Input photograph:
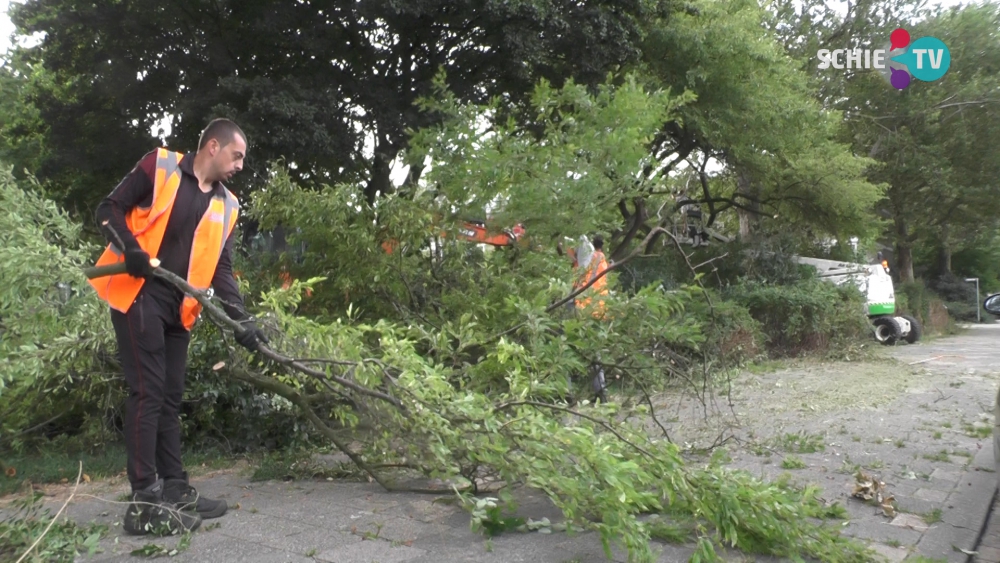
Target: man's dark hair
point(222, 130)
point(598, 242)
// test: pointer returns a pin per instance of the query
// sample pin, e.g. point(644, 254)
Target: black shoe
point(150, 514)
point(179, 492)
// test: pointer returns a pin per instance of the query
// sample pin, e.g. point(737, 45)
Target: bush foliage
point(807, 316)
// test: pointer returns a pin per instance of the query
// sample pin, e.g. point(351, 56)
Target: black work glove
point(251, 337)
point(137, 262)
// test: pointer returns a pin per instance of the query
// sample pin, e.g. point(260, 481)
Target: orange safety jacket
point(149, 224)
point(597, 265)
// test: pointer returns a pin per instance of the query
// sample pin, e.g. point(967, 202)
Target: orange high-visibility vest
point(597, 265)
point(149, 224)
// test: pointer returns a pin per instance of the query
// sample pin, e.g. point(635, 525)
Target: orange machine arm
point(474, 232)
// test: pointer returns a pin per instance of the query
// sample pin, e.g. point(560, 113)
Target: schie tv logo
point(925, 59)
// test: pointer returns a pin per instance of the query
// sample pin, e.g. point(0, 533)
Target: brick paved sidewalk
point(988, 550)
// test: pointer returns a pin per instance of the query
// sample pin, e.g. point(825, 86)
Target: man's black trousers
point(152, 346)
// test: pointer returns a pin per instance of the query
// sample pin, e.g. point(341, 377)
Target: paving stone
point(959, 460)
point(893, 554)
point(941, 540)
point(931, 495)
point(305, 540)
point(881, 531)
point(915, 505)
point(911, 521)
point(988, 554)
point(945, 475)
point(971, 500)
point(366, 551)
point(991, 536)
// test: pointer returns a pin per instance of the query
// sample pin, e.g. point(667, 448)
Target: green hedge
point(806, 316)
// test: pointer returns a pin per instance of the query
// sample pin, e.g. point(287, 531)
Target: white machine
point(874, 281)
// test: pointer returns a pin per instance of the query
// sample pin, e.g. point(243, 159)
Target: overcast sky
point(6, 28)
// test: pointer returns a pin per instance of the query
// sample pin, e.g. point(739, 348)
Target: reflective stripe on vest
point(149, 224)
point(210, 237)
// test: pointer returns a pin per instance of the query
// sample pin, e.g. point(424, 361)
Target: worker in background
point(173, 207)
point(589, 261)
point(591, 270)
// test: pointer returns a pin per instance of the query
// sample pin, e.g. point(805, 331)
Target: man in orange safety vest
point(174, 207)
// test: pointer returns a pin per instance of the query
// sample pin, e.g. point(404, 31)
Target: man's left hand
point(251, 337)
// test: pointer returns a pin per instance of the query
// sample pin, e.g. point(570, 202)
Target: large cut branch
point(239, 329)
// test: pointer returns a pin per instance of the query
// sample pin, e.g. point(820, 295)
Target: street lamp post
point(978, 319)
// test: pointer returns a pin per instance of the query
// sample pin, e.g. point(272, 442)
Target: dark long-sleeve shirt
point(191, 203)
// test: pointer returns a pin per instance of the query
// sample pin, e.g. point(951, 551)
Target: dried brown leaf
point(887, 506)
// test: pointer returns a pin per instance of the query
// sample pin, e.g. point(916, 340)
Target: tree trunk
point(634, 221)
point(944, 253)
point(748, 219)
point(379, 182)
point(904, 252)
point(944, 259)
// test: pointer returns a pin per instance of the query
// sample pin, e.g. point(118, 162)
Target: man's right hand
point(137, 263)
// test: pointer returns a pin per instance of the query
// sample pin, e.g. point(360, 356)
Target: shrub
point(918, 300)
point(808, 316)
point(732, 333)
point(55, 343)
point(961, 311)
point(953, 289)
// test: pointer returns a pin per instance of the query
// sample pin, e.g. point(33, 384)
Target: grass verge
point(50, 466)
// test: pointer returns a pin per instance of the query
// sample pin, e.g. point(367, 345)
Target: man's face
point(228, 160)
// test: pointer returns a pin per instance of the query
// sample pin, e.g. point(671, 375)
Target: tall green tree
point(756, 113)
point(937, 143)
point(933, 142)
point(22, 131)
point(309, 81)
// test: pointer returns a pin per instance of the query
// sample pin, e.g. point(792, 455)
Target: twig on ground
point(942, 397)
point(652, 410)
point(79, 474)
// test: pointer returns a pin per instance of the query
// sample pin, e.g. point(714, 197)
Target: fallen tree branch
point(279, 388)
point(607, 426)
point(652, 410)
point(238, 328)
